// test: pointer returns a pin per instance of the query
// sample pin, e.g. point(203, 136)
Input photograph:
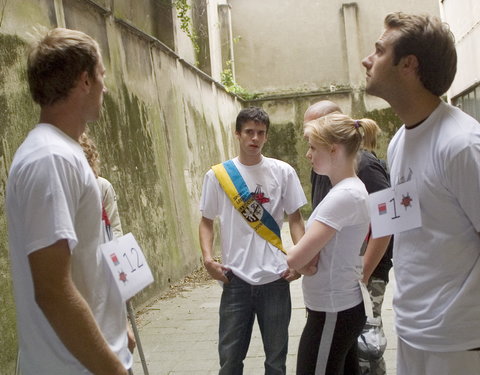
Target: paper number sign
point(127, 264)
point(395, 210)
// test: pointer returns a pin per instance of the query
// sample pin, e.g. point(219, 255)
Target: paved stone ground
point(179, 333)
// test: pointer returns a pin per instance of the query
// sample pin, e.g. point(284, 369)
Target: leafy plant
point(186, 24)
point(226, 77)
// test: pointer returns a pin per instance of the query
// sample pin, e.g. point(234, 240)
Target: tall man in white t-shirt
point(437, 265)
point(70, 318)
point(254, 270)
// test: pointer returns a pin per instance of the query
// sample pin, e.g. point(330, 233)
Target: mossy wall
point(163, 124)
point(16, 112)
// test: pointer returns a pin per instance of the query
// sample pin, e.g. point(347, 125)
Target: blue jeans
point(238, 307)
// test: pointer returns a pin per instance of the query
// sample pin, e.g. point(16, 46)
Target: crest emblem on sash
point(253, 209)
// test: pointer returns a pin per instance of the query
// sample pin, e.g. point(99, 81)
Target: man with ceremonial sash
point(251, 194)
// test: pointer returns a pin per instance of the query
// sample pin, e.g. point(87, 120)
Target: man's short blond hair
point(56, 61)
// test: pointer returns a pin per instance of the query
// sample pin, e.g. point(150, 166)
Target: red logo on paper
point(123, 277)
point(114, 258)
point(382, 208)
point(406, 200)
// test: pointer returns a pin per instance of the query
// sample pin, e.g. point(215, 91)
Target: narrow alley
point(180, 334)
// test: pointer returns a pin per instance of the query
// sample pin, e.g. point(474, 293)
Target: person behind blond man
point(71, 320)
point(329, 254)
point(437, 265)
point(111, 224)
point(107, 192)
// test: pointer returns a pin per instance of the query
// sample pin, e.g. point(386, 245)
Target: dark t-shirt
point(375, 177)
point(321, 185)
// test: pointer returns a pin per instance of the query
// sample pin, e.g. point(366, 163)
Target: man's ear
point(409, 63)
point(84, 81)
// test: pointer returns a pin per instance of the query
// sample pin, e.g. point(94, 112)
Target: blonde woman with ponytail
point(329, 252)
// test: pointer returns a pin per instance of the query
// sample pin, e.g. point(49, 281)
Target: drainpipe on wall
point(59, 15)
point(214, 40)
point(355, 72)
point(230, 36)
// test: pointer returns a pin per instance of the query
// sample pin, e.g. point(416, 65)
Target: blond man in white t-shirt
point(70, 319)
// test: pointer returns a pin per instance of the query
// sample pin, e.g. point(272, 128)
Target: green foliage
point(226, 77)
point(186, 24)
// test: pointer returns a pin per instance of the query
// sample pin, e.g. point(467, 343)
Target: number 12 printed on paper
point(127, 264)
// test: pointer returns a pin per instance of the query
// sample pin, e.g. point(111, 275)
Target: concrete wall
point(164, 123)
point(463, 16)
point(311, 45)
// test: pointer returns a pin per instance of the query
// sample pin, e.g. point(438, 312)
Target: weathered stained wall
point(16, 111)
point(311, 46)
point(303, 45)
point(164, 123)
point(464, 19)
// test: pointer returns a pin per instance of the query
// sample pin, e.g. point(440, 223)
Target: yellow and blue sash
point(244, 202)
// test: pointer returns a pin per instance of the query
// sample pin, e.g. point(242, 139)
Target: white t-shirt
point(335, 286)
point(52, 195)
point(109, 201)
point(437, 266)
point(252, 258)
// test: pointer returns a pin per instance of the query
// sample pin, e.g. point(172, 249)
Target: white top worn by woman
point(335, 287)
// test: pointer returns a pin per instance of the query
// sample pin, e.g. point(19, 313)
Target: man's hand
point(290, 275)
point(216, 270)
point(132, 343)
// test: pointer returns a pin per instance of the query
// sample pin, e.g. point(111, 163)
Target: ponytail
point(340, 129)
point(370, 132)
